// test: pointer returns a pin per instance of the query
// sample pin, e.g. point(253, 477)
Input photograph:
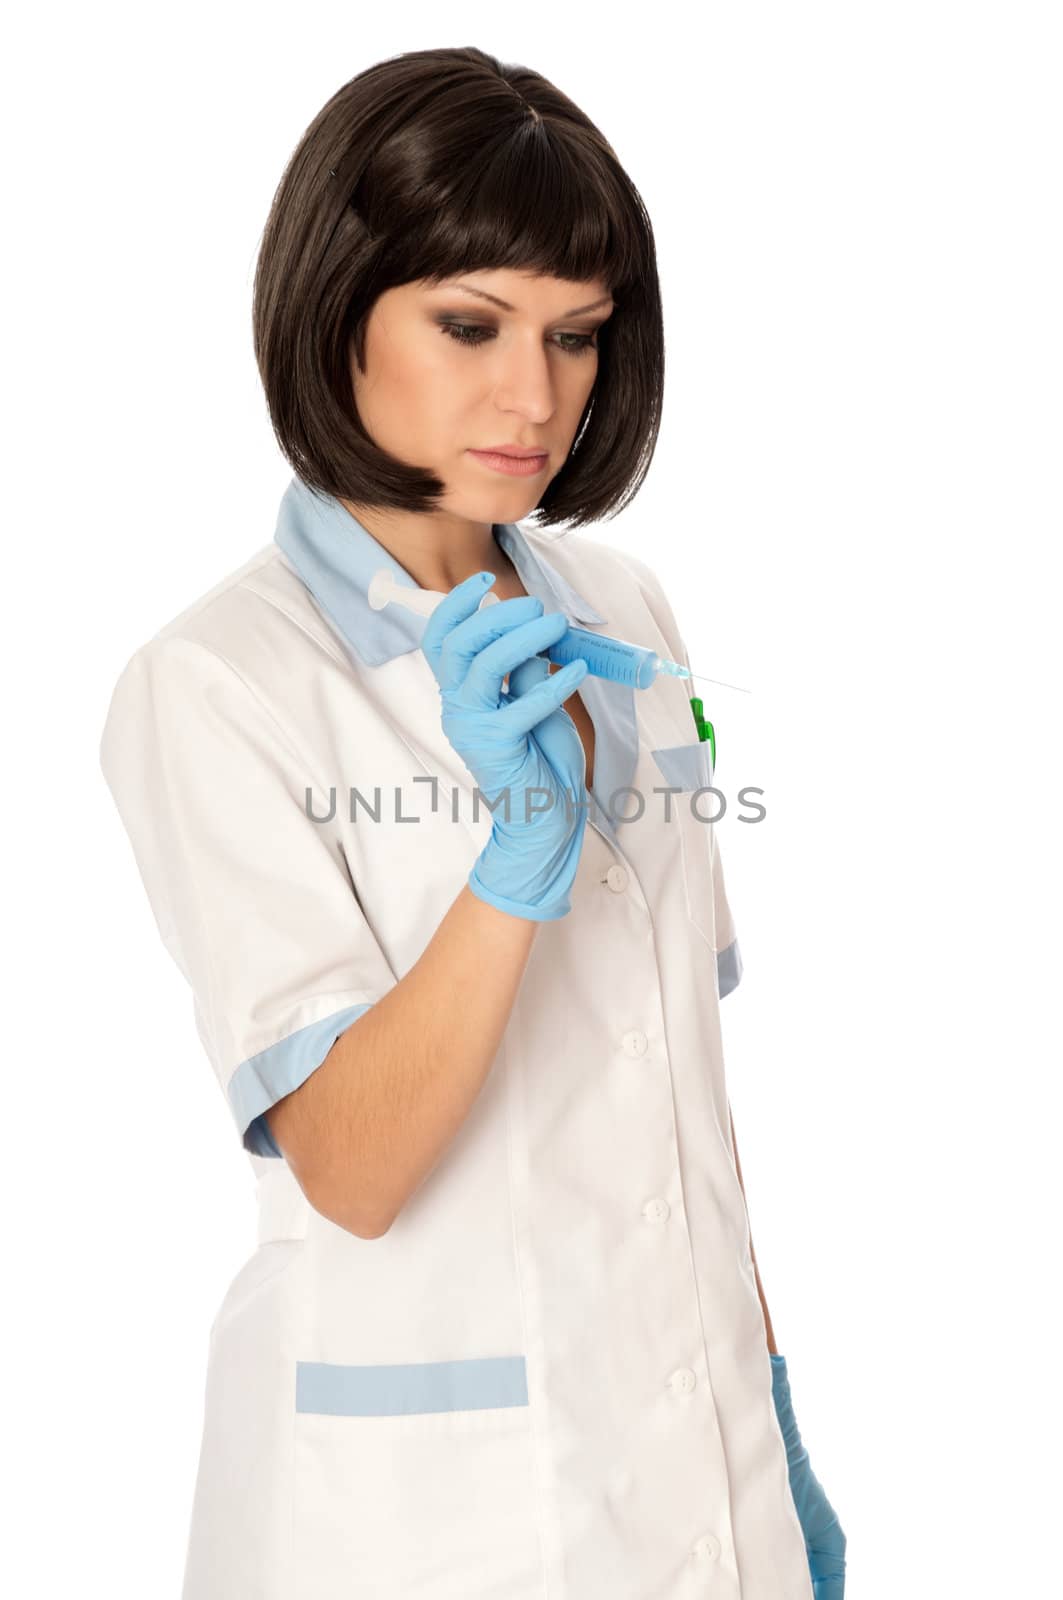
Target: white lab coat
point(550, 1377)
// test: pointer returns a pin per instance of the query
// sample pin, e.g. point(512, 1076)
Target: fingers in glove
point(471, 637)
point(527, 675)
point(459, 604)
point(543, 698)
point(482, 685)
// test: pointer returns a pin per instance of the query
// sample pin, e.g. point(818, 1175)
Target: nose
point(525, 379)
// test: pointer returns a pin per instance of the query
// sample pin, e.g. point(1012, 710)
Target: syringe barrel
point(606, 657)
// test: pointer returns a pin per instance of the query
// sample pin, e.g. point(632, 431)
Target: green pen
point(705, 728)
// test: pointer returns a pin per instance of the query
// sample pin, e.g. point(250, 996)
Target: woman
point(503, 1334)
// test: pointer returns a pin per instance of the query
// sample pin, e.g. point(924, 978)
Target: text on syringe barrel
point(605, 657)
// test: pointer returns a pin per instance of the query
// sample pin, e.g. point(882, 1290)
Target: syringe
point(606, 657)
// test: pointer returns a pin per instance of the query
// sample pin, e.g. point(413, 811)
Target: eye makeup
point(474, 335)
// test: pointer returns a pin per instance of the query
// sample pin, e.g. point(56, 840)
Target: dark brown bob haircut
point(426, 165)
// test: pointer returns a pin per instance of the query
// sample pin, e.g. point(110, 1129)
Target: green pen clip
point(705, 728)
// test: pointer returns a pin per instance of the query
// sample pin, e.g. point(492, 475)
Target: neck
point(438, 551)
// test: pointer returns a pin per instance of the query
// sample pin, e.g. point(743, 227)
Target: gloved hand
point(517, 741)
point(824, 1539)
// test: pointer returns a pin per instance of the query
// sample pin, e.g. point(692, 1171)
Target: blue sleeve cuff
point(263, 1079)
point(259, 1140)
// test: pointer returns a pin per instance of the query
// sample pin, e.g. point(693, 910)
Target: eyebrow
point(494, 299)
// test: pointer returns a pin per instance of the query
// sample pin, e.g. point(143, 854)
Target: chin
point(509, 503)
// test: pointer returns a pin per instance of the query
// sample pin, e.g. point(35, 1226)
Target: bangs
point(529, 201)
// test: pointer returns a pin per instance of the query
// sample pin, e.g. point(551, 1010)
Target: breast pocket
point(418, 1480)
point(688, 768)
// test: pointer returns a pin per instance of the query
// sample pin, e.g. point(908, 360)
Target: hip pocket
point(416, 1480)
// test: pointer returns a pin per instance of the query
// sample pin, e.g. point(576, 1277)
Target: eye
point(584, 341)
point(474, 334)
point(465, 332)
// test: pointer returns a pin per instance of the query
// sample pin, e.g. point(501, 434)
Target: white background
point(855, 507)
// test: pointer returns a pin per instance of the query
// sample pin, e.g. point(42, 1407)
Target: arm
point(772, 1347)
point(365, 1130)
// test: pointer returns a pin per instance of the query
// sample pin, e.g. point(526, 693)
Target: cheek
point(395, 393)
point(418, 400)
point(443, 388)
point(577, 389)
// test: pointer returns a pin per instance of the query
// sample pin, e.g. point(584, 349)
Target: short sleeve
point(252, 897)
point(728, 954)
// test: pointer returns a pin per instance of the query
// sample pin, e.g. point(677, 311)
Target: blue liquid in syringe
point(611, 658)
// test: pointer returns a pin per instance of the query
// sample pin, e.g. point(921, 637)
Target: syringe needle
point(720, 681)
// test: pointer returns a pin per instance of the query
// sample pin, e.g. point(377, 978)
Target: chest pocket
point(688, 768)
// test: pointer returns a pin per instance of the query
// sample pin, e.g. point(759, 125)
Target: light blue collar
point(336, 557)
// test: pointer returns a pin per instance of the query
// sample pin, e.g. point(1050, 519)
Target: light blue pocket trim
point(729, 968)
point(392, 1391)
point(686, 766)
point(262, 1080)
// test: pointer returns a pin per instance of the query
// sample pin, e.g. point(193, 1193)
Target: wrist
point(550, 911)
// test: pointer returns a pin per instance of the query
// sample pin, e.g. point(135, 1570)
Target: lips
point(509, 450)
point(514, 466)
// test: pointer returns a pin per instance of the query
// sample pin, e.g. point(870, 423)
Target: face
point(484, 359)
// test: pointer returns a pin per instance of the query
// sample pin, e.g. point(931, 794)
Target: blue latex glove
point(824, 1539)
point(516, 741)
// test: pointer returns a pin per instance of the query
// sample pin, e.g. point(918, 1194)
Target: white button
point(635, 1043)
point(616, 878)
point(682, 1381)
point(707, 1548)
point(656, 1210)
